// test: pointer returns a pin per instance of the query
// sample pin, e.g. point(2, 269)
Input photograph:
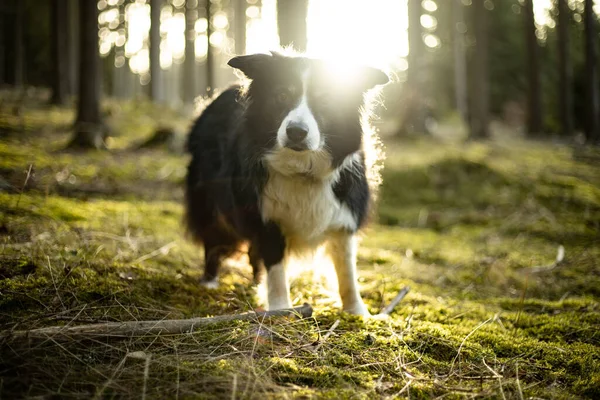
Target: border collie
point(281, 165)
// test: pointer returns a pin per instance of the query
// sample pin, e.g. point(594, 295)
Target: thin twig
point(141, 328)
point(560, 257)
point(329, 332)
point(395, 301)
point(161, 250)
point(109, 380)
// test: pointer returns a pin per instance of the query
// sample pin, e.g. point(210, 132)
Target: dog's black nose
point(296, 132)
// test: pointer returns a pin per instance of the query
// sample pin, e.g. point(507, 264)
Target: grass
point(97, 237)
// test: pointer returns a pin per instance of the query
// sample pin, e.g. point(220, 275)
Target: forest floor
point(473, 229)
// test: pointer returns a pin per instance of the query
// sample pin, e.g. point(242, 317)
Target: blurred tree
point(190, 70)
point(239, 19)
point(26, 31)
point(210, 65)
point(415, 41)
point(507, 56)
point(534, 102)
point(155, 71)
point(72, 42)
point(459, 55)
point(60, 56)
point(592, 128)
point(479, 101)
point(291, 23)
point(565, 69)
point(413, 97)
point(3, 11)
point(19, 44)
point(89, 131)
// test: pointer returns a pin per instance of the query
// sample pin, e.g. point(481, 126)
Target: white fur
point(301, 114)
point(278, 287)
point(342, 249)
point(305, 208)
point(213, 284)
point(308, 213)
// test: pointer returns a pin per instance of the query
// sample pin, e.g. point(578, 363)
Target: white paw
point(212, 284)
point(280, 305)
point(381, 317)
point(358, 308)
point(279, 301)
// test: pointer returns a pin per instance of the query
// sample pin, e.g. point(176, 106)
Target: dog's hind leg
point(216, 249)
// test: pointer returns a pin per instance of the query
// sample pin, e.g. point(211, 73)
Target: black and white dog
point(280, 164)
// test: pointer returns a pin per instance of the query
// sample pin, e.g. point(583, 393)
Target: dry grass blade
point(24, 185)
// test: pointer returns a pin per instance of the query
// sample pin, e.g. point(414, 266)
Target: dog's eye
point(283, 96)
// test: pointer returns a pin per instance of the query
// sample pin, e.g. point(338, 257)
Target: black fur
point(228, 143)
point(352, 189)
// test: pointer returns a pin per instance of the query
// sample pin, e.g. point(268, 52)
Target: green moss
point(98, 237)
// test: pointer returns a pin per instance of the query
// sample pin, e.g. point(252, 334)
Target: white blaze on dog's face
point(299, 130)
point(303, 119)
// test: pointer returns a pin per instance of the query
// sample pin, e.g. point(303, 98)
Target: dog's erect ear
point(349, 76)
point(252, 65)
point(372, 77)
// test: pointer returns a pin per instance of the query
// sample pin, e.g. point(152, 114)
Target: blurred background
point(459, 67)
point(489, 207)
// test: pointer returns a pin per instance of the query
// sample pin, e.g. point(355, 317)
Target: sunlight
point(261, 27)
point(354, 31)
point(541, 11)
point(341, 31)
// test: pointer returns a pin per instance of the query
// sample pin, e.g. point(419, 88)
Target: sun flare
point(353, 31)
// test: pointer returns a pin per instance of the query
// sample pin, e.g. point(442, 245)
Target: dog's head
point(304, 115)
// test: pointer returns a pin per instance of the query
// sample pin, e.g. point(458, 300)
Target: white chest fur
point(306, 210)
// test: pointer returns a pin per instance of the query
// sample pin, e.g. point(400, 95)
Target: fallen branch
point(141, 328)
point(395, 301)
point(560, 256)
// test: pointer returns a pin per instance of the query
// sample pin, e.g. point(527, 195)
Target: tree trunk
point(72, 45)
point(415, 42)
point(479, 121)
point(19, 61)
point(89, 132)
point(534, 114)
point(60, 59)
point(189, 67)
point(592, 133)
point(460, 67)
point(2, 45)
point(291, 23)
point(240, 26)
point(565, 69)
point(155, 71)
point(413, 114)
point(210, 72)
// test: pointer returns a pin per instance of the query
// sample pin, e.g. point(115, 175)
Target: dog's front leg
point(271, 245)
point(342, 249)
point(278, 287)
